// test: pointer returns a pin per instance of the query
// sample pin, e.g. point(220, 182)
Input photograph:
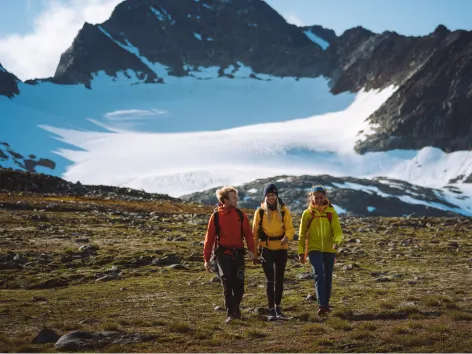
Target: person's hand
point(250, 255)
point(335, 246)
point(207, 266)
point(301, 258)
point(284, 241)
point(256, 261)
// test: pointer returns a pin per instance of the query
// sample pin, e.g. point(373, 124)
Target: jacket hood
point(221, 208)
point(326, 207)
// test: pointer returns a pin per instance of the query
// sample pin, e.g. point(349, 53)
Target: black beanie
point(270, 188)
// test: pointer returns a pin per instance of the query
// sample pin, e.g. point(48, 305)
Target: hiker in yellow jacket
point(272, 228)
point(319, 239)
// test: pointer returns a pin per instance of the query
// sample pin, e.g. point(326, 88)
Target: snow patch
point(157, 68)
point(316, 39)
point(361, 187)
point(205, 73)
point(162, 15)
point(339, 210)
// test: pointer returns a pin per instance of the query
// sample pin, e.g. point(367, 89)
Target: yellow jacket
point(272, 226)
point(322, 233)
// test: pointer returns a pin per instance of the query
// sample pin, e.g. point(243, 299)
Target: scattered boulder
point(45, 335)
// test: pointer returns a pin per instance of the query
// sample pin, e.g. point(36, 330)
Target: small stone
point(305, 276)
point(176, 266)
point(106, 278)
point(310, 297)
point(39, 298)
point(348, 267)
point(383, 279)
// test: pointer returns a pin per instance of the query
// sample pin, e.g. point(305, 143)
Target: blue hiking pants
point(322, 264)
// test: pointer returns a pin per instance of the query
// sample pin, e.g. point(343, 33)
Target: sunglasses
point(318, 189)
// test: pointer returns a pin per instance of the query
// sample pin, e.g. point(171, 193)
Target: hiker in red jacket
point(227, 228)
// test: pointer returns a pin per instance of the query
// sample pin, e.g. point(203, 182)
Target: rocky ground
point(124, 274)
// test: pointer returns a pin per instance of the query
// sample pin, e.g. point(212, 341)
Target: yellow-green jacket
point(272, 228)
point(322, 233)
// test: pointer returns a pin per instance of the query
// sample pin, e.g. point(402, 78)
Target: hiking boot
point(323, 311)
point(237, 313)
point(280, 315)
point(272, 315)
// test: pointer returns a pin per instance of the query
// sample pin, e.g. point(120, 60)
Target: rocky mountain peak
point(155, 38)
point(441, 30)
point(8, 83)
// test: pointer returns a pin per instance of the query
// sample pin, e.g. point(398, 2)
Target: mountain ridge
point(187, 37)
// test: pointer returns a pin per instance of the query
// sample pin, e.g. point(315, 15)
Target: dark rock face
point(432, 107)
point(28, 164)
point(8, 83)
point(92, 51)
point(378, 197)
point(187, 34)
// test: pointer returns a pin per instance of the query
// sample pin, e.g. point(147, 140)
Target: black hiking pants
point(231, 270)
point(273, 263)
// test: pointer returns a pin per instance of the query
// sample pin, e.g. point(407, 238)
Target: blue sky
point(34, 33)
point(408, 17)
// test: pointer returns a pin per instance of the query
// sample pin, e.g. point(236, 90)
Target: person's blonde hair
point(309, 196)
point(222, 193)
point(265, 206)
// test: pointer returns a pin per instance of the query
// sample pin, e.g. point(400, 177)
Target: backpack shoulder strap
point(261, 215)
point(241, 218)
point(216, 220)
point(310, 220)
point(329, 216)
point(312, 213)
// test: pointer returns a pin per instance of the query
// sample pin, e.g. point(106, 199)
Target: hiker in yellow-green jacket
point(320, 236)
point(272, 228)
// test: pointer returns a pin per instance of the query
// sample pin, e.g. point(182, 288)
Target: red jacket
point(230, 231)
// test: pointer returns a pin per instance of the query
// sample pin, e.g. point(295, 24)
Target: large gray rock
point(83, 340)
point(79, 340)
point(46, 335)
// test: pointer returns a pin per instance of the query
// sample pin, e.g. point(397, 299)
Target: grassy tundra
point(135, 269)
